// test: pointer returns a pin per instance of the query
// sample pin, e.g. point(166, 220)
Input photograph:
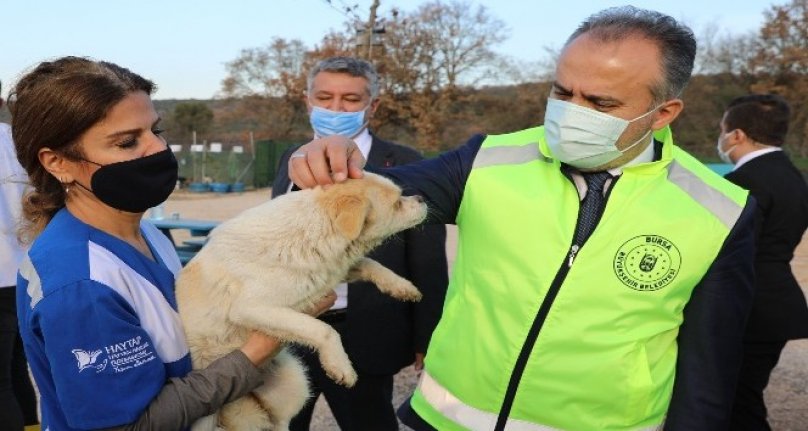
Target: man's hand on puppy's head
point(326, 161)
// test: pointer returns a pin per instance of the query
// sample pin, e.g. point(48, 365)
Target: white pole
point(193, 155)
point(252, 144)
point(204, 157)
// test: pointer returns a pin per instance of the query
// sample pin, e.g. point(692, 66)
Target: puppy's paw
point(337, 366)
point(403, 290)
point(345, 377)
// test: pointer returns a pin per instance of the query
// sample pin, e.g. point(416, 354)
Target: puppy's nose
point(418, 198)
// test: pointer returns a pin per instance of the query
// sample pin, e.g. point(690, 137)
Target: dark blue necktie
point(591, 206)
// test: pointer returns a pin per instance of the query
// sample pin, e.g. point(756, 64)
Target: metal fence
point(248, 166)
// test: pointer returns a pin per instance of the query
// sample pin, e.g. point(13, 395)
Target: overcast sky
point(183, 45)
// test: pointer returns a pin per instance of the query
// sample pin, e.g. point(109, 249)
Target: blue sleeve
point(439, 180)
point(711, 337)
point(427, 269)
point(104, 366)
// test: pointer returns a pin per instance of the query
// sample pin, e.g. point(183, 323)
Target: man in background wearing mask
point(753, 131)
point(381, 335)
point(604, 276)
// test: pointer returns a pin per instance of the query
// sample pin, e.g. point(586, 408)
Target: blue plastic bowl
point(220, 187)
point(198, 187)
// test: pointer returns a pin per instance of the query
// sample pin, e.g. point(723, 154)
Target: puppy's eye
point(398, 204)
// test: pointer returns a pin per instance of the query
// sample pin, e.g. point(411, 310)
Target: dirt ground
point(786, 396)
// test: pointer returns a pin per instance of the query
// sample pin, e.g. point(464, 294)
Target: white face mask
point(724, 155)
point(583, 137)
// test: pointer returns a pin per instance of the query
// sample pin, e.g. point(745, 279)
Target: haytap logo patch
point(122, 356)
point(88, 359)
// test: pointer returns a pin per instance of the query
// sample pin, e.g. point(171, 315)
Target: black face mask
point(135, 185)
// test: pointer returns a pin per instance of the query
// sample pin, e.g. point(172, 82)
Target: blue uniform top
point(99, 323)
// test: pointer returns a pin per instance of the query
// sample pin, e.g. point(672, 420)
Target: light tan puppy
point(261, 268)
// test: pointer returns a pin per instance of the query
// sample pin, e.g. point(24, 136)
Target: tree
point(428, 55)
point(781, 64)
point(705, 98)
point(189, 117)
point(783, 48)
point(432, 56)
point(269, 82)
point(724, 53)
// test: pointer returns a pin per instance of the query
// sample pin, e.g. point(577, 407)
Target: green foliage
point(705, 98)
point(801, 163)
point(224, 167)
point(190, 117)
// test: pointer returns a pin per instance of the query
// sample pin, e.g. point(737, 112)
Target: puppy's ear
point(348, 214)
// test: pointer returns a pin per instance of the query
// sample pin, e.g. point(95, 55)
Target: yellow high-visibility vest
point(546, 336)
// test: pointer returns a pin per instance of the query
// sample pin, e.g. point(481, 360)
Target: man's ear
point(307, 102)
point(374, 105)
point(667, 112)
point(348, 214)
point(737, 137)
point(56, 164)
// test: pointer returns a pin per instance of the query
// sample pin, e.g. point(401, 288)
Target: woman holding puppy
point(96, 291)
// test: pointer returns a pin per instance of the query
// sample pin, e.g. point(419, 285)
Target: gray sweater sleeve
point(200, 393)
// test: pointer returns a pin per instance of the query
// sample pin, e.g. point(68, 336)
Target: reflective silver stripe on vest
point(724, 208)
point(472, 418)
point(28, 272)
point(492, 156)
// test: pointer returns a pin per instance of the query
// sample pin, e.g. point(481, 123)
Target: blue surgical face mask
point(583, 137)
point(325, 122)
point(724, 155)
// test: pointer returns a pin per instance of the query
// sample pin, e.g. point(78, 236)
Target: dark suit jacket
point(383, 334)
point(779, 311)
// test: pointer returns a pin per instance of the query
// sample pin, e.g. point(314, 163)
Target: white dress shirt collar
point(757, 153)
point(646, 156)
point(364, 141)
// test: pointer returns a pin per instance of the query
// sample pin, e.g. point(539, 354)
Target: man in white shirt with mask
point(381, 335)
point(753, 132)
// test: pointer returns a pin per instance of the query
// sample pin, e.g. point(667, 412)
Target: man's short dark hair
point(676, 43)
point(763, 117)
